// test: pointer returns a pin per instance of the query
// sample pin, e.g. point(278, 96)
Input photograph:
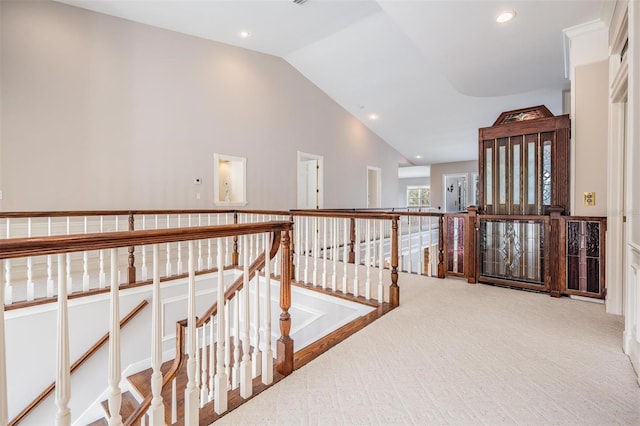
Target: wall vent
point(299, 1)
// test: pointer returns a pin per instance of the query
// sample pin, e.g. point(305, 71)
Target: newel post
point(470, 244)
point(131, 270)
point(394, 290)
point(284, 359)
point(352, 239)
point(235, 256)
point(555, 251)
point(441, 267)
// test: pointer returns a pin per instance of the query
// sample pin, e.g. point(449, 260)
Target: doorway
point(374, 187)
point(310, 174)
point(455, 192)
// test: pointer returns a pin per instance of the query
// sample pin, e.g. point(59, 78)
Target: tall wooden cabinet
point(524, 163)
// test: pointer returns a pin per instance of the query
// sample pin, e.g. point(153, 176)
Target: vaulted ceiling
point(432, 72)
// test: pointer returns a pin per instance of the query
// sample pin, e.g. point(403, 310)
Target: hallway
point(455, 353)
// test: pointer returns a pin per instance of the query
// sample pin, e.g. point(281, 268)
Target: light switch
point(589, 198)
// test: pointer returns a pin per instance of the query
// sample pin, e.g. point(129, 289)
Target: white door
point(309, 181)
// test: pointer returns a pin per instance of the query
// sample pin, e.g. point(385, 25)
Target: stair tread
point(128, 405)
point(100, 422)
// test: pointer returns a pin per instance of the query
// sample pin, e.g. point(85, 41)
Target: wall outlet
point(589, 198)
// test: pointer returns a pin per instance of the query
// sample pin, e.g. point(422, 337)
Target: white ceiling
point(433, 71)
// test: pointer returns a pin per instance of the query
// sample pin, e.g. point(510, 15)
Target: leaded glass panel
point(546, 173)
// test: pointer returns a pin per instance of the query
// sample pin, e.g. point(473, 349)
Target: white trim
point(584, 28)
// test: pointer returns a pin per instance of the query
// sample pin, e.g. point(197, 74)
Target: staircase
point(140, 383)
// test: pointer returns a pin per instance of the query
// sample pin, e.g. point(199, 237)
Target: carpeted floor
point(455, 353)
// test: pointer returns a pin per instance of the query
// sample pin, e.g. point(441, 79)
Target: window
point(418, 196)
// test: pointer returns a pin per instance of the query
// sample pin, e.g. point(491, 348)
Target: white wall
point(102, 113)
point(589, 137)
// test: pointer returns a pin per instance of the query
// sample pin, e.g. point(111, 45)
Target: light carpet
point(455, 353)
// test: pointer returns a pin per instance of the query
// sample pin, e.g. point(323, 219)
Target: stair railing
point(61, 247)
point(209, 392)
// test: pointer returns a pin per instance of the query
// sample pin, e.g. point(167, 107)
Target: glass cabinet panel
point(489, 175)
point(516, 174)
point(531, 173)
point(502, 174)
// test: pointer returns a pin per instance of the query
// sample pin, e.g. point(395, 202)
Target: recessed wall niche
point(230, 177)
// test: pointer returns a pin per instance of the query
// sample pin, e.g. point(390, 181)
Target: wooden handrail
point(205, 318)
point(88, 354)
point(39, 246)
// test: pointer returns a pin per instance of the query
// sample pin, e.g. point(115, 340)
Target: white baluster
point(316, 250)
point(197, 373)
point(200, 260)
point(367, 256)
point(191, 406)
point(251, 246)
point(227, 347)
point(69, 288)
point(235, 371)
point(324, 252)
point(103, 275)
point(298, 246)
point(63, 374)
point(179, 265)
point(227, 253)
point(381, 261)
point(410, 253)
point(115, 395)
point(209, 254)
point(345, 254)
point(156, 411)
point(212, 359)
point(31, 288)
point(4, 404)
point(168, 269)
point(267, 355)
point(204, 384)
point(174, 400)
point(334, 254)
point(356, 263)
point(306, 249)
point(246, 388)
point(420, 247)
point(256, 356)
point(85, 260)
point(144, 272)
point(49, 264)
point(400, 256)
point(220, 388)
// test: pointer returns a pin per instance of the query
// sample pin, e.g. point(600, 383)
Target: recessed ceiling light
point(418, 156)
point(505, 16)
point(373, 116)
point(245, 34)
